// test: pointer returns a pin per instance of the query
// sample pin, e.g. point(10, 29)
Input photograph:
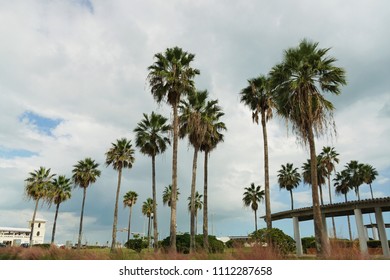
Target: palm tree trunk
point(155, 229)
point(128, 231)
point(372, 195)
point(205, 205)
point(292, 200)
point(81, 218)
point(114, 226)
point(322, 242)
point(193, 187)
point(266, 174)
point(33, 222)
point(322, 200)
point(330, 201)
point(357, 192)
point(255, 220)
point(172, 238)
point(349, 221)
point(149, 232)
point(55, 223)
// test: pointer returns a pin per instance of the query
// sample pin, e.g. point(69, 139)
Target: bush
point(136, 244)
point(183, 243)
point(308, 242)
point(281, 241)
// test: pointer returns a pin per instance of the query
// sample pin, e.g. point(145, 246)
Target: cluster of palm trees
point(295, 89)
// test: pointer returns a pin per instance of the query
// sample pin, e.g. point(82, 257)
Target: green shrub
point(183, 243)
point(136, 244)
point(281, 241)
point(308, 242)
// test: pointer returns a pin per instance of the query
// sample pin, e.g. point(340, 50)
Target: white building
point(15, 236)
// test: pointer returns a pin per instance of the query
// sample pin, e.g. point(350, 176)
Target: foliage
point(136, 244)
point(281, 241)
point(183, 243)
point(308, 242)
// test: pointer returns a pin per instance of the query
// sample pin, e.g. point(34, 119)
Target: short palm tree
point(355, 175)
point(37, 187)
point(151, 138)
point(328, 159)
point(258, 97)
point(369, 174)
point(129, 199)
point(167, 195)
point(170, 77)
point(321, 175)
point(60, 192)
point(301, 81)
point(289, 179)
point(147, 210)
point(341, 183)
point(211, 140)
point(85, 172)
point(198, 206)
point(120, 155)
point(252, 197)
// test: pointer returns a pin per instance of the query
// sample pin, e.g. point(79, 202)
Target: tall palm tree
point(321, 175)
point(37, 187)
point(258, 97)
point(60, 192)
point(301, 81)
point(341, 183)
point(85, 172)
point(147, 210)
point(355, 175)
point(194, 122)
point(151, 138)
point(328, 159)
point(170, 77)
point(212, 138)
point(198, 203)
point(289, 179)
point(129, 199)
point(120, 155)
point(369, 174)
point(167, 195)
point(252, 197)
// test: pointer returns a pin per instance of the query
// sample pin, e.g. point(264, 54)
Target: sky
point(73, 80)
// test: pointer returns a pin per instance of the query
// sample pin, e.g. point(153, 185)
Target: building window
point(39, 225)
point(38, 233)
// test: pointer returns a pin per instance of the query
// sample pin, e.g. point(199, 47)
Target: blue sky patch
point(13, 153)
point(42, 124)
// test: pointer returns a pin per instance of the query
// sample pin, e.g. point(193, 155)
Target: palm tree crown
point(369, 174)
point(167, 195)
point(85, 172)
point(120, 155)
point(129, 199)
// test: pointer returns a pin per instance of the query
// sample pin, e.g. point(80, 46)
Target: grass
point(238, 253)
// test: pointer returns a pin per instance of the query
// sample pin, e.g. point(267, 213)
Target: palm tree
point(152, 140)
point(252, 197)
point(321, 175)
point(170, 77)
point(289, 178)
point(328, 158)
point(167, 195)
point(194, 117)
point(85, 173)
point(369, 174)
point(212, 138)
point(120, 155)
point(147, 210)
point(355, 175)
point(37, 187)
point(258, 97)
point(343, 187)
point(198, 203)
point(60, 192)
point(301, 80)
point(129, 199)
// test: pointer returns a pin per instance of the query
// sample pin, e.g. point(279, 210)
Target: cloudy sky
point(73, 80)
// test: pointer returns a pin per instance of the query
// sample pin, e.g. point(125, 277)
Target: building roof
point(13, 229)
point(336, 209)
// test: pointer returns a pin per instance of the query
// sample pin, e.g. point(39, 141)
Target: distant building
point(16, 236)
